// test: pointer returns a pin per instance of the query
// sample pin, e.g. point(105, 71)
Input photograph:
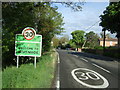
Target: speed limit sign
point(28, 33)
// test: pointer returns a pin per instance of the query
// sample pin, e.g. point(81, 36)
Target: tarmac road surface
point(83, 70)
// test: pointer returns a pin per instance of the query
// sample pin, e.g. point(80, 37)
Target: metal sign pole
point(17, 61)
point(35, 61)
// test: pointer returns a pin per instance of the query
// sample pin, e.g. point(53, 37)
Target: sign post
point(28, 44)
point(35, 62)
point(17, 61)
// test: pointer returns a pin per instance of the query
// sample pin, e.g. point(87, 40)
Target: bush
point(109, 51)
point(98, 47)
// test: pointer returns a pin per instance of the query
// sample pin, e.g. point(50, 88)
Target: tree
point(55, 42)
point(63, 41)
point(78, 38)
point(16, 16)
point(72, 44)
point(92, 39)
point(110, 20)
point(75, 6)
point(49, 22)
point(38, 15)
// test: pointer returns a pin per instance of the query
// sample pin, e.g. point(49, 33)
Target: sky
point(82, 20)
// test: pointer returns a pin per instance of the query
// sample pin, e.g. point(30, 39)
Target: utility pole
point(118, 36)
point(104, 40)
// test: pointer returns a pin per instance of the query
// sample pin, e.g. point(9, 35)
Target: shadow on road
point(97, 57)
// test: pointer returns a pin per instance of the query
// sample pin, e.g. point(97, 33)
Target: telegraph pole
point(104, 40)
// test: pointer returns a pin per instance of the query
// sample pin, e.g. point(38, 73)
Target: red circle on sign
point(27, 36)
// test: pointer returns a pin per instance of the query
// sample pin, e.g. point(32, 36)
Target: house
point(109, 42)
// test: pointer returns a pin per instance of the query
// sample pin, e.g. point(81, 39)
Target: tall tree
point(110, 20)
point(41, 16)
point(75, 6)
point(49, 22)
point(72, 44)
point(16, 16)
point(78, 38)
point(64, 39)
point(92, 39)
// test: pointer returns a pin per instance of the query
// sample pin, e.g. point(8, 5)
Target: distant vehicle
point(67, 49)
point(72, 48)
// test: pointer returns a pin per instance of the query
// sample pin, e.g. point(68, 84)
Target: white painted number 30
point(87, 75)
point(81, 75)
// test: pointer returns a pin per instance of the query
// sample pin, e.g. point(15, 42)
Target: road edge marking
point(58, 79)
point(58, 58)
point(58, 84)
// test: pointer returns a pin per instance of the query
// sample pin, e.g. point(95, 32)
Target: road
point(83, 70)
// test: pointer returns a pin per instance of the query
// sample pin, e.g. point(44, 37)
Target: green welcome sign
point(25, 46)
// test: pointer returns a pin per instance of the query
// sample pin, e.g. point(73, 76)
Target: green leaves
point(92, 39)
point(78, 37)
point(38, 15)
point(111, 18)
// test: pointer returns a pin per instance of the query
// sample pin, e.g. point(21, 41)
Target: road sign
point(28, 44)
point(24, 47)
point(28, 33)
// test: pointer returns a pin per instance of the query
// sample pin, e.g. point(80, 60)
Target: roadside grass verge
point(0, 78)
point(26, 76)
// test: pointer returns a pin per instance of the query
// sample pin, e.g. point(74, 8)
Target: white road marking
point(101, 68)
point(84, 59)
point(58, 81)
point(58, 84)
point(75, 55)
point(58, 58)
point(105, 82)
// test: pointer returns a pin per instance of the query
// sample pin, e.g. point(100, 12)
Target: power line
point(93, 25)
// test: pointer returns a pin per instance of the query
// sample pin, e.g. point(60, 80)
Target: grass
point(0, 79)
point(26, 76)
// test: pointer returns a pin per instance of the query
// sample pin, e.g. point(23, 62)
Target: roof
point(109, 39)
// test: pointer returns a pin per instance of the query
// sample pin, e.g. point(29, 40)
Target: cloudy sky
point(84, 19)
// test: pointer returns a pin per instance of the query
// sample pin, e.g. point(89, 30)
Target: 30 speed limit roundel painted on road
point(28, 33)
point(89, 78)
